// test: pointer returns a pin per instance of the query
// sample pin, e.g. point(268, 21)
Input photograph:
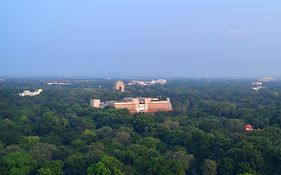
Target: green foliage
point(44, 171)
point(98, 169)
point(43, 151)
point(19, 163)
point(180, 161)
point(52, 168)
point(1, 146)
point(58, 133)
point(32, 140)
point(123, 137)
point(106, 166)
point(88, 135)
point(76, 164)
point(150, 142)
point(209, 167)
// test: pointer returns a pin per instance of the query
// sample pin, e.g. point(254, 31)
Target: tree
point(171, 124)
point(181, 161)
point(76, 164)
point(106, 166)
point(43, 151)
point(31, 140)
point(150, 142)
point(44, 171)
point(19, 163)
point(226, 166)
point(123, 137)
point(88, 135)
point(51, 168)
point(209, 167)
point(1, 146)
point(98, 169)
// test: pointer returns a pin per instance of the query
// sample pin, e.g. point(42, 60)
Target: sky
point(165, 38)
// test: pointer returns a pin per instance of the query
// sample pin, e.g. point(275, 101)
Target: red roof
point(248, 127)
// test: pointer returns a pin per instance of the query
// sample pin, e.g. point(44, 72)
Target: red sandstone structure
point(119, 86)
point(136, 105)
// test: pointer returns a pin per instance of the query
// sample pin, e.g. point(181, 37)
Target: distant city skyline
point(140, 38)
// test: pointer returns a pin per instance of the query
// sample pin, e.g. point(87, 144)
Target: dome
point(248, 127)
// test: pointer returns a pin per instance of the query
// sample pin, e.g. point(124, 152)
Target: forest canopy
point(57, 132)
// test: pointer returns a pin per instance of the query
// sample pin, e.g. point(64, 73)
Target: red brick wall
point(130, 106)
point(156, 107)
point(152, 107)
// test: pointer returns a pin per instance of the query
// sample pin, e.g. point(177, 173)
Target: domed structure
point(119, 86)
point(248, 127)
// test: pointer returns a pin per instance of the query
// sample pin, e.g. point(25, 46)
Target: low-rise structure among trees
point(29, 93)
point(136, 105)
point(119, 86)
point(147, 83)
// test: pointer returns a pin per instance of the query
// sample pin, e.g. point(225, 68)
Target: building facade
point(136, 105)
point(28, 93)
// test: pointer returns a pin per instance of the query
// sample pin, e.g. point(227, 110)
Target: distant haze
point(173, 38)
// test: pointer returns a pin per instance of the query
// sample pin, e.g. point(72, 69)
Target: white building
point(257, 85)
point(28, 93)
point(147, 83)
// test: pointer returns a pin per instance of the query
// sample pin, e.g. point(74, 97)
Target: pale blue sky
point(175, 38)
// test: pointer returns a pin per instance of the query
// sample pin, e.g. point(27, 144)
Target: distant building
point(147, 83)
point(57, 83)
point(257, 85)
point(136, 105)
point(95, 103)
point(248, 127)
point(28, 93)
point(266, 79)
point(119, 86)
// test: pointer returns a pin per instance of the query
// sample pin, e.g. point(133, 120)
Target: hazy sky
point(189, 38)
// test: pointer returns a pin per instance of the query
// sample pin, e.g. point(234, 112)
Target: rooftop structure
point(28, 93)
point(66, 81)
point(136, 105)
point(147, 83)
point(248, 127)
point(119, 86)
point(266, 79)
point(257, 85)
point(57, 83)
